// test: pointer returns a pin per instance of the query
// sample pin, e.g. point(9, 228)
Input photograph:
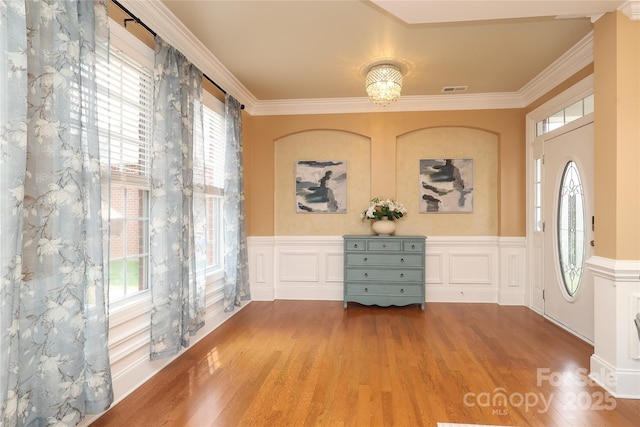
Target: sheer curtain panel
point(236, 260)
point(54, 364)
point(177, 288)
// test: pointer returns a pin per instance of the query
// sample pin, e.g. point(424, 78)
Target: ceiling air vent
point(454, 89)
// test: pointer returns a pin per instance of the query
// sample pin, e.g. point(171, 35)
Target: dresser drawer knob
point(402, 291)
point(366, 274)
point(355, 245)
point(365, 259)
point(401, 274)
point(413, 246)
point(384, 246)
point(401, 259)
point(366, 289)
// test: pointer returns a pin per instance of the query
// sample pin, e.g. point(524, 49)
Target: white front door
point(568, 229)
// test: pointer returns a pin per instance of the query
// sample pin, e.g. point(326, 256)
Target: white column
point(615, 364)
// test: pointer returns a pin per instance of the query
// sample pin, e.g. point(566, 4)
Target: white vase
point(383, 227)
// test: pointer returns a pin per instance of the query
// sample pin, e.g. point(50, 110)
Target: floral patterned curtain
point(236, 260)
point(177, 288)
point(54, 364)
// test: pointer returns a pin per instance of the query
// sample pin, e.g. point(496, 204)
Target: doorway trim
point(580, 90)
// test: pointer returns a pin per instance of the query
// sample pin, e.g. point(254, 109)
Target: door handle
point(592, 243)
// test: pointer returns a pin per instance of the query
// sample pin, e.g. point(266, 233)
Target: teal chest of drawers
point(384, 270)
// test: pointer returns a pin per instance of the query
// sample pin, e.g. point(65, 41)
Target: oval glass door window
point(571, 228)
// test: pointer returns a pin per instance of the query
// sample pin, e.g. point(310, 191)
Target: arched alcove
point(449, 143)
point(321, 146)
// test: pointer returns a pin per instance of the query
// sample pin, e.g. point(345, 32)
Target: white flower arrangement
point(379, 209)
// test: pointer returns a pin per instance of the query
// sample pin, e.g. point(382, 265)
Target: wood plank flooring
point(312, 363)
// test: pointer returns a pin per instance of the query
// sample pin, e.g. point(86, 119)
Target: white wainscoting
point(513, 273)
point(615, 364)
point(458, 269)
point(308, 269)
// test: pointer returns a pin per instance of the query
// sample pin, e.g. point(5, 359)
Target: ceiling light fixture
point(384, 83)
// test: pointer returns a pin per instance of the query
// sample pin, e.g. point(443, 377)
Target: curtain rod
point(137, 20)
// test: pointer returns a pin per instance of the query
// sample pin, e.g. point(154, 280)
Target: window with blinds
point(215, 144)
point(125, 91)
point(125, 111)
point(213, 170)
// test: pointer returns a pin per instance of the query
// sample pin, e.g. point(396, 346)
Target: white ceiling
point(432, 11)
point(318, 49)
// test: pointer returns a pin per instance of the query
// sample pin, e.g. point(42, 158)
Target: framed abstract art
point(321, 186)
point(446, 186)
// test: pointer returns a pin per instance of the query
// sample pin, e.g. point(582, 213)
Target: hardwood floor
point(312, 363)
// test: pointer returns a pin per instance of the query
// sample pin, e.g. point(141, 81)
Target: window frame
point(580, 108)
point(216, 270)
point(138, 52)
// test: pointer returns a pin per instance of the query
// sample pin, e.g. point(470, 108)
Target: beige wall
point(383, 130)
point(617, 137)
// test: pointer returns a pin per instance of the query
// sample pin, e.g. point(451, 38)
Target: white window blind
point(215, 149)
point(125, 97)
point(212, 166)
point(125, 108)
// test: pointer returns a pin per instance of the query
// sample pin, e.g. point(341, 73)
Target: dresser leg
point(345, 305)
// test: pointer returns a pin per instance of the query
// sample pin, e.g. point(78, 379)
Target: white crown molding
point(159, 18)
point(572, 61)
point(482, 101)
point(164, 23)
point(631, 9)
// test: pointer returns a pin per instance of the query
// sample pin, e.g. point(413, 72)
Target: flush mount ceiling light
point(384, 83)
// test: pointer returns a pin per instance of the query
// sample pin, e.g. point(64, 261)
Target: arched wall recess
point(321, 145)
point(450, 143)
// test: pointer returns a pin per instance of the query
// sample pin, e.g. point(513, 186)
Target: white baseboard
point(306, 292)
point(511, 297)
point(262, 294)
point(468, 295)
point(620, 383)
